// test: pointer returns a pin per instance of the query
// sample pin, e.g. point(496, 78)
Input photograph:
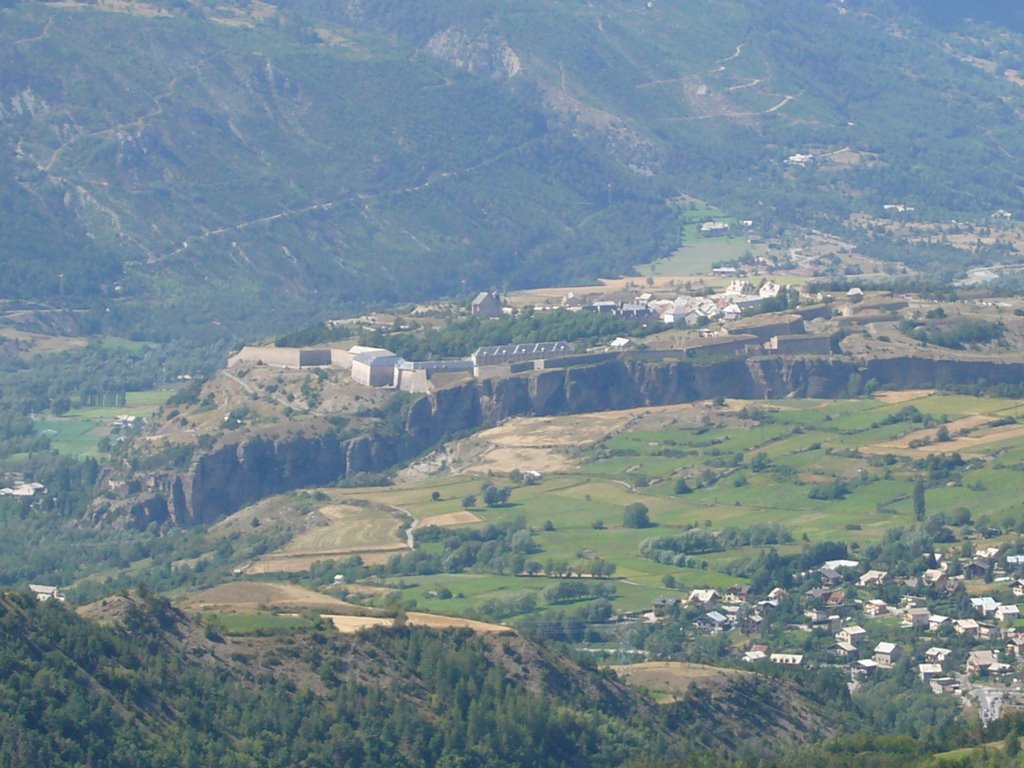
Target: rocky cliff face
point(225, 479)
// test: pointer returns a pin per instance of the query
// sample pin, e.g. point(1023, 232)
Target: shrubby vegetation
point(674, 550)
point(462, 337)
point(962, 333)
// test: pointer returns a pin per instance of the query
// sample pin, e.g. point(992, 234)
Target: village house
point(1018, 588)
point(837, 601)
point(23, 490)
point(842, 651)
point(966, 627)
point(816, 616)
point(714, 229)
point(927, 671)
point(873, 578)
point(830, 577)
point(941, 685)
point(989, 553)
point(1015, 646)
point(989, 632)
point(936, 622)
point(790, 659)
point(980, 662)
point(749, 621)
point(737, 593)
point(876, 608)
point(976, 569)
point(706, 598)
point(712, 622)
point(1007, 613)
point(836, 565)
point(854, 635)
point(937, 655)
point(778, 594)
point(817, 594)
point(662, 606)
point(486, 304)
point(916, 618)
point(986, 606)
point(44, 592)
point(886, 654)
point(863, 667)
point(753, 655)
point(935, 578)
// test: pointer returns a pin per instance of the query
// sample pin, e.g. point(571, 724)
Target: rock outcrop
point(231, 476)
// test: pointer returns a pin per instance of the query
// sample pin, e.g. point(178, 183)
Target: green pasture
point(77, 432)
point(255, 623)
point(578, 515)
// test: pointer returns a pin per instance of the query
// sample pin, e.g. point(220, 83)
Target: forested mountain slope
point(140, 684)
point(185, 162)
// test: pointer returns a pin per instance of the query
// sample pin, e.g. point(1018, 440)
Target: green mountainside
point(254, 165)
point(138, 683)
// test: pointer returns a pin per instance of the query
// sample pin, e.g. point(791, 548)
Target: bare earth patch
point(344, 528)
point(903, 396)
point(672, 677)
point(349, 625)
point(550, 443)
point(252, 596)
point(465, 517)
point(353, 624)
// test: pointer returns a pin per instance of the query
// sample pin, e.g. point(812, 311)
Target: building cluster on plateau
point(741, 298)
point(725, 319)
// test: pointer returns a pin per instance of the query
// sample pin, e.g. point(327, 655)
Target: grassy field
point(348, 528)
point(77, 432)
point(746, 466)
point(256, 623)
point(697, 254)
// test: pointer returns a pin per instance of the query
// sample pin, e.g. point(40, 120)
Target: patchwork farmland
point(814, 470)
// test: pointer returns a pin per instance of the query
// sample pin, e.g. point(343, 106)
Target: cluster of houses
point(838, 605)
point(23, 490)
point(741, 298)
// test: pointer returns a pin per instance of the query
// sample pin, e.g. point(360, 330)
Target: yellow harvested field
point(301, 562)
point(352, 624)
point(547, 443)
point(349, 625)
point(963, 443)
point(345, 528)
point(902, 396)
point(445, 622)
point(465, 517)
point(673, 677)
point(252, 596)
point(331, 532)
point(366, 589)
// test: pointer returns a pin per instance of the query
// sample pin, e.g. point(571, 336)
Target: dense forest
point(150, 687)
